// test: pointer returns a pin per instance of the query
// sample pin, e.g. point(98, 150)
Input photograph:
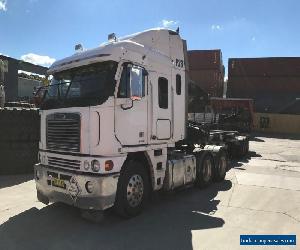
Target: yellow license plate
point(58, 183)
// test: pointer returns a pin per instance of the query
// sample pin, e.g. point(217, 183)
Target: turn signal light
point(109, 165)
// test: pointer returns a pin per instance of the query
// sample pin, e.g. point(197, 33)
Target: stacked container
point(273, 83)
point(207, 70)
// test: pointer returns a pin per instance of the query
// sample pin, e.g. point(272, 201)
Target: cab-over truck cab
point(111, 121)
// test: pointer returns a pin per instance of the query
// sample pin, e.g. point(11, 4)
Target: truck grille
point(64, 163)
point(63, 132)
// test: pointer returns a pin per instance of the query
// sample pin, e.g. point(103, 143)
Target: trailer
point(114, 127)
point(235, 113)
point(222, 120)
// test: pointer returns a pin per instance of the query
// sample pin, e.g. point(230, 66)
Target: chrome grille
point(63, 132)
point(64, 163)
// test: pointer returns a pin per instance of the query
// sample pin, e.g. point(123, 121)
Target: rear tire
point(205, 167)
point(247, 147)
point(244, 148)
point(221, 166)
point(133, 190)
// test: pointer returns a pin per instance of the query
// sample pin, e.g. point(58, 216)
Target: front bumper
point(74, 192)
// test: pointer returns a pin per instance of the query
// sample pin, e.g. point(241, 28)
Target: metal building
point(15, 87)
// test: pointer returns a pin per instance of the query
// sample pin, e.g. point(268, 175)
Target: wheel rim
point(222, 165)
point(207, 169)
point(135, 190)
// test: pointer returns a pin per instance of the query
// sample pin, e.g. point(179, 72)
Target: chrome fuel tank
point(180, 171)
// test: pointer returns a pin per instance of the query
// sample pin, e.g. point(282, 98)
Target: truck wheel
point(133, 190)
point(42, 198)
point(221, 166)
point(247, 147)
point(244, 148)
point(240, 149)
point(205, 166)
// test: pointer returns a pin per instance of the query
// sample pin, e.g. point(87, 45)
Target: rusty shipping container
point(270, 94)
point(252, 85)
point(207, 70)
point(211, 81)
point(205, 59)
point(273, 83)
point(264, 67)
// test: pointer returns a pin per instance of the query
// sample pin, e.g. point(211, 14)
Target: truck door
point(161, 103)
point(131, 106)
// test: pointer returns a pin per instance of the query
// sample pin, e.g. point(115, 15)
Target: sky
point(42, 31)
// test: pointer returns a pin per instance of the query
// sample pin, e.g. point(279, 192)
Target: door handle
point(126, 108)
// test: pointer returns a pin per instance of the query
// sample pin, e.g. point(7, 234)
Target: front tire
point(133, 190)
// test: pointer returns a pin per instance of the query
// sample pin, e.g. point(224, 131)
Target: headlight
point(86, 165)
point(95, 166)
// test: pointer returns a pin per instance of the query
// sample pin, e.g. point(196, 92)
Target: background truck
point(114, 126)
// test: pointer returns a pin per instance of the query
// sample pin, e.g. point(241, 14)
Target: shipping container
point(211, 81)
point(264, 100)
point(292, 108)
point(237, 86)
point(258, 67)
point(205, 59)
point(273, 83)
point(207, 70)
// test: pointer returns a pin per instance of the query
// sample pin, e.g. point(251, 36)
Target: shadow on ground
point(276, 135)
point(165, 224)
point(241, 163)
point(11, 180)
point(252, 138)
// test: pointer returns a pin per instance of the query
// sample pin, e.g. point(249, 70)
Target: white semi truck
point(114, 126)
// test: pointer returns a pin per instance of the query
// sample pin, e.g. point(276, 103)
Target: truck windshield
point(82, 86)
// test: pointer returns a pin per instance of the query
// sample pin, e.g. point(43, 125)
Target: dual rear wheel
point(243, 148)
point(211, 169)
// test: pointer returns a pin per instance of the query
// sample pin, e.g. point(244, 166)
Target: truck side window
point(132, 83)
point(124, 88)
point(178, 84)
point(162, 92)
